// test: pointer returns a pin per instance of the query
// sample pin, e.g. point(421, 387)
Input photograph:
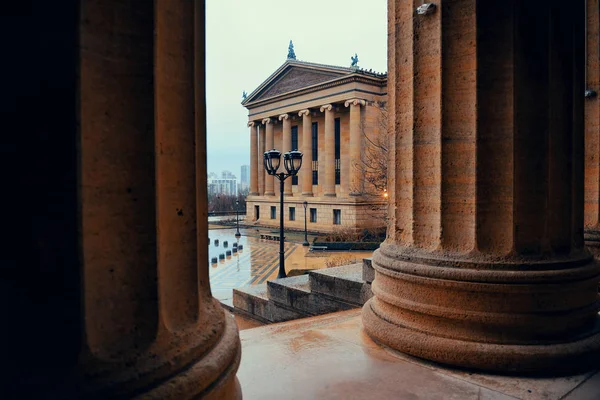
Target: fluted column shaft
point(253, 159)
point(260, 162)
point(329, 147)
point(355, 143)
point(592, 132)
point(123, 264)
point(286, 143)
point(307, 151)
point(269, 180)
point(487, 184)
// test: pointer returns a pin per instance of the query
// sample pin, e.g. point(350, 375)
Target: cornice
point(375, 81)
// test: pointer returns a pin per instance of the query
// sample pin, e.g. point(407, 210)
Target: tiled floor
point(259, 260)
point(330, 357)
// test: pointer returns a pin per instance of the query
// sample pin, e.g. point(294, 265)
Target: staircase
point(319, 292)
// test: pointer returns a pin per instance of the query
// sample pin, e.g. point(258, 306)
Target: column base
point(253, 194)
point(286, 194)
point(329, 195)
point(307, 194)
point(556, 359)
point(526, 317)
point(212, 377)
point(269, 194)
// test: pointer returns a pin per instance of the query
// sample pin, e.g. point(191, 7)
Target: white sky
point(247, 40)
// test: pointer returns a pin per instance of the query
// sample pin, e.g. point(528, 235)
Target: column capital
point(326, 107)
point(250, 124)
point(267, 121)
point(355, 102)
point(304, 112)
point(283, 116)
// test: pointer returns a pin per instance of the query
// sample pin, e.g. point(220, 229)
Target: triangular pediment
point(296, 78)
point(292, 76)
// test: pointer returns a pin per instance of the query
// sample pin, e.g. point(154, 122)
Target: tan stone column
point(354, 164)
point(269, 180)
point(484, 266)
point(329, 166)
point(306, 169)
point(253, 159)
point(123, 306)
point(260, 163)
point(286, 142)
point(592, 133)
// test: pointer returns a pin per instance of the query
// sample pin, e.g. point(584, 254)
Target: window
point(256, 212)
point(295, 147)
point(273, 212)
point(315, 153)
point(337, 217)
point(337, 151)
point(313, 215)
point(292, 213)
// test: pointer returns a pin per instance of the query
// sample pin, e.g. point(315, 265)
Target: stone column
point(485, 266)
point(269, 180)
point(253, 159)
point(111, 286)
point(354, 165)
point(286, 143)
point(592, 133)
point(329, 166)
point(260, 163)
point(306, 169)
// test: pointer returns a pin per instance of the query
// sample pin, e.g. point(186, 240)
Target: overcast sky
point(247, 40)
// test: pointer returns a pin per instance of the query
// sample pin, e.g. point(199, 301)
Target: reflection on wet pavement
point(259, 260)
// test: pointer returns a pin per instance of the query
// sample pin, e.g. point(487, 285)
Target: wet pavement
point(258, 261)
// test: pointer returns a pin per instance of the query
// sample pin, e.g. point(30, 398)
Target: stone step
point(294, 293)
point(343, 283)
point(253, 301)
point(368, 273)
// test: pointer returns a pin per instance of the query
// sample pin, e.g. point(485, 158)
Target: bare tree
point(375, 156)
point(373, 166)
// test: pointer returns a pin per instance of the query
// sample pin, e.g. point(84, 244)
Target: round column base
point(551, 360)
point(211, 377)
point(510, 315)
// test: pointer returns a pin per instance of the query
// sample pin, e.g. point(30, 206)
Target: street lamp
point(292, 161)
point(237, 219)
point(305, 232)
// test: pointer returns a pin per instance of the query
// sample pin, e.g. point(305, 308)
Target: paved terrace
point(330, 357)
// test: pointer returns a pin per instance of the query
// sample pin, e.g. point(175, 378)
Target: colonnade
point(262, 139)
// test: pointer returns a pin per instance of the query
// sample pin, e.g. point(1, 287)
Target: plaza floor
point(331, 357)
point(258, 262)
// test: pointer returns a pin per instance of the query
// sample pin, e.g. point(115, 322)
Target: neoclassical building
point(326, 112)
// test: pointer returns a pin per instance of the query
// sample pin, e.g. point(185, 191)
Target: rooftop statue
point(354, 60)
point(244, 95)
point(291, 54)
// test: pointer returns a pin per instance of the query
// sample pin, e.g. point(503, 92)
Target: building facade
point(324, 112)
point(228, 187)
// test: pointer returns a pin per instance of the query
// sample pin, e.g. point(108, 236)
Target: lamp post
point(237, 218)
point(305, 231)
point(292, 161)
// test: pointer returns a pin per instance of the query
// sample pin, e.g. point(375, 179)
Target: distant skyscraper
point(245, 177)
